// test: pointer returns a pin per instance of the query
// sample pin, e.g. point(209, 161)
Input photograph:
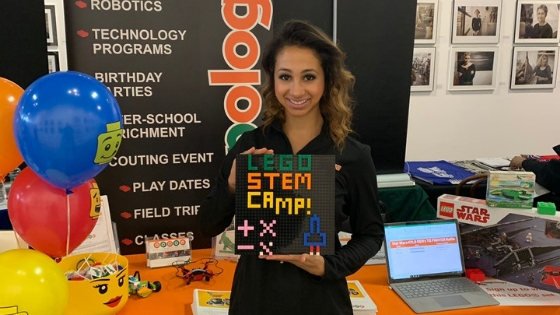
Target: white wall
point(470, 124)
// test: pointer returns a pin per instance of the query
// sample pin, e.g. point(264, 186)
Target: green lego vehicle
point(140, 287)
point(512, 194)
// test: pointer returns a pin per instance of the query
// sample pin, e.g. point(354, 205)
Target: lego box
point(510, 189)
point(514, 245)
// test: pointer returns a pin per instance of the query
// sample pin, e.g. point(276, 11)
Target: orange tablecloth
point(175, 296)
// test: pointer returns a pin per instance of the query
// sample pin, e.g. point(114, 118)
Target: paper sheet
point(101, 239)
point(494, 162)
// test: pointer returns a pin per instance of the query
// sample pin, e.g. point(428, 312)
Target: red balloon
point(39, 213)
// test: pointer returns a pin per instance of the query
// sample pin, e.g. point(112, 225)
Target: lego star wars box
point(514, 245)
point(510, 189)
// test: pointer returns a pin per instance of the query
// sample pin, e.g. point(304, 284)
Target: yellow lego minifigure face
point(108, 143)
point(107, 294)
point(95, 201)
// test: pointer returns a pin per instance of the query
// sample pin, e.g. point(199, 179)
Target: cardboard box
point(514, 245)
point(510, 189)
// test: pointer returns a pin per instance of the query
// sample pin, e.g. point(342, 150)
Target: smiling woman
point(307, 110)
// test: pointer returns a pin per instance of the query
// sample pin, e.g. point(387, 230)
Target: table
point(409, 203)
point(175, 297)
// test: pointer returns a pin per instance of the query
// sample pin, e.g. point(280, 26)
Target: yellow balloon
point(31, 283)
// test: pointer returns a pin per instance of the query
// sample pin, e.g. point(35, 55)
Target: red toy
point(475, 275)
point(197, 274)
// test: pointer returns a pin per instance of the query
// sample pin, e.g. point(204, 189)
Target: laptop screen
point(423, 249)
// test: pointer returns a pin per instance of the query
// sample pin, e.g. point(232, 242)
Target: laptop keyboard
point(436, 287)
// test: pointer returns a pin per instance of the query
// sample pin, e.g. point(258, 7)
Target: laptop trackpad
point(453, 300)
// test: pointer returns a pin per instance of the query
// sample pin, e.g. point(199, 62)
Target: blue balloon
point(68, 127)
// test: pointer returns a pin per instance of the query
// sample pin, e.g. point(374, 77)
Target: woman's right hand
point(231, 178)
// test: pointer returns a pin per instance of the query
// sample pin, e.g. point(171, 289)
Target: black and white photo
point(537, 22)
point(473, 68)
point(534, 67)
point(52, 58)
point(50, 20)
point(476, 21)
point(426, 22)
point(422, 75)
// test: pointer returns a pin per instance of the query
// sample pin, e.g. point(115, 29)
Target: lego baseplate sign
point(284, 204)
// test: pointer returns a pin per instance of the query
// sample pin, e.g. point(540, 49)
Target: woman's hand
point(314, 264)
point(231, 178)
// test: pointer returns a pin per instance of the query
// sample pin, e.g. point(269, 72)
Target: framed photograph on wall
point(426, 22)
point(537, 22)
point(476, 21)
point(52, 58)
point(422, 75)
point(534, 67)
point(473, 68)
point(50, 20)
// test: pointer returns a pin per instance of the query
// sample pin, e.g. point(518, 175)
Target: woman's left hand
point(314, 264)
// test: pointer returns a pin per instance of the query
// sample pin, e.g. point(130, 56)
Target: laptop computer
point(425, 267)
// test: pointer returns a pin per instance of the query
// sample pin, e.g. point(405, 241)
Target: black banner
point(379, 55)
point(185, 75)
point(23, 42)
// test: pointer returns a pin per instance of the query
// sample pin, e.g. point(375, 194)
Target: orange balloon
point(10, 158)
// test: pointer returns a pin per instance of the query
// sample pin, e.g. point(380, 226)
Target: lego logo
point(446, 209)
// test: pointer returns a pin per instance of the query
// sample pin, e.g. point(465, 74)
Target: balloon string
point(17, 239)
point(68, 223)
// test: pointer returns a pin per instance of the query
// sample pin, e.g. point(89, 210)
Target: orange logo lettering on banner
point(240, 76)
